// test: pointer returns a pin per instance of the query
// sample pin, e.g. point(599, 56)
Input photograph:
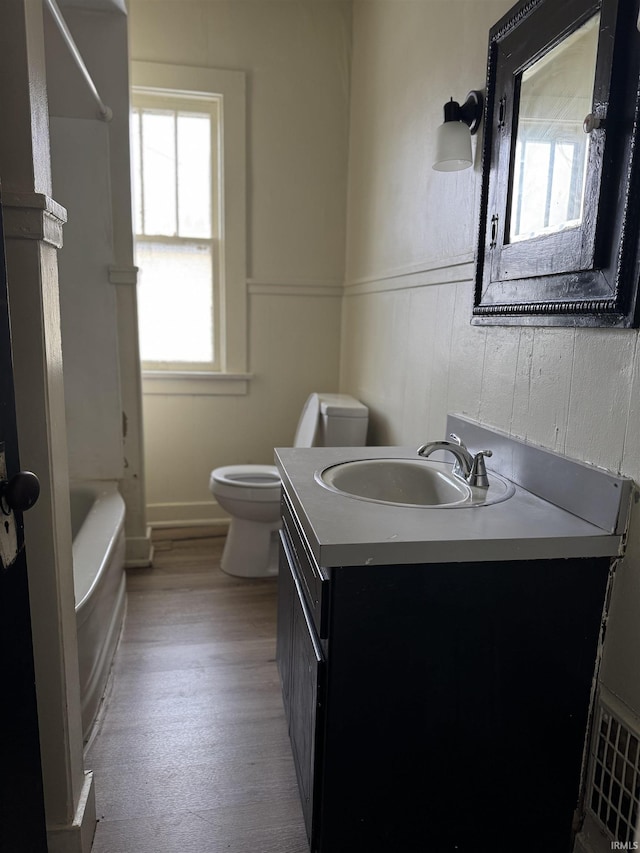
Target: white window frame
point(229, 88)
point(145, 101)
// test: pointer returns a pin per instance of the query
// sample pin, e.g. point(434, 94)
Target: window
point(188, 164)
point(176, 219)
point(548, 182)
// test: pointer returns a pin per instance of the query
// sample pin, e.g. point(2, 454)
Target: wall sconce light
point(453, 137)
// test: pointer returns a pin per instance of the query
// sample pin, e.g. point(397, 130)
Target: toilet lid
point(308, 423)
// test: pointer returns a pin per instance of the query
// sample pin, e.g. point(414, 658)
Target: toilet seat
point(246, 482)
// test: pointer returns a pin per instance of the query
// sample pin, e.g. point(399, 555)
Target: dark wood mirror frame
point(585, 275)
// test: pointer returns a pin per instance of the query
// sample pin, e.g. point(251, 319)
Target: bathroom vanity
point(436, 662)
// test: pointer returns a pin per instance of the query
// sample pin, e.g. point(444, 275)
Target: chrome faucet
point(467, 467)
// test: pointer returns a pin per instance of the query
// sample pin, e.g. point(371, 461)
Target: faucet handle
point(478, 475)
point(457, 467)
point(458, 440)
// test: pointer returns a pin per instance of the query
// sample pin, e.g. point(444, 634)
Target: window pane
point(194, 175)
point(159, 172)
point(175, 302)
point(564, 209)
point(532, 190)
point(135, 169)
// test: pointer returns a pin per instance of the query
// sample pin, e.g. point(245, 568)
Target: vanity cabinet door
point(286, 596)
point(307, 669)
point(302, 670)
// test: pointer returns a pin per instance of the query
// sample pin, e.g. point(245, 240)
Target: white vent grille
point(615, 777)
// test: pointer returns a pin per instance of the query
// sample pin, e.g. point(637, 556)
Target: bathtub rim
point(88, 541)
point(98, 552)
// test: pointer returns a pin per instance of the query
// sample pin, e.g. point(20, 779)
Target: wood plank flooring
point(191, 753)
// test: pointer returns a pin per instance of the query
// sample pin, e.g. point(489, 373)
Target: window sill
point(194, 384)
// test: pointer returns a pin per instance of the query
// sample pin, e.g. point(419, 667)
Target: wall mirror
point(558, 234)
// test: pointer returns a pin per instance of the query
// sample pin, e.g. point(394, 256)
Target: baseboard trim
point(139, 551)
point(77, 837)
point(187, 530)
point(192, 513)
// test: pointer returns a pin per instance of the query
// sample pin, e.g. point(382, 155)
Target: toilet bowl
point(250, 494)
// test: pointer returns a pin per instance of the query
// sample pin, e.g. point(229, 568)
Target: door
point(22, 823)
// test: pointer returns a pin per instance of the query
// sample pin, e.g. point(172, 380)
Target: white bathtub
point(97, 521)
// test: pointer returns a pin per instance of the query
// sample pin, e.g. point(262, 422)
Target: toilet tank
point(332, 420)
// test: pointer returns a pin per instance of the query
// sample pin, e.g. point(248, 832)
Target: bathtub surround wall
point(80, 173)
point(90, 165)
point(408, 348)
point(296, 59)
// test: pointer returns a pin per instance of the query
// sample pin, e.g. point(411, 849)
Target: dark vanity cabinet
point(437, 707)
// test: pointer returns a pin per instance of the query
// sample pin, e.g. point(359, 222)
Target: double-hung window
point(177, 220)
point(187, 143)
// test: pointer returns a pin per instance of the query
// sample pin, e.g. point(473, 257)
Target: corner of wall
point(77, 837)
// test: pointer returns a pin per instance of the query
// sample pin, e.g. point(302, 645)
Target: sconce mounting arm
point(471, 111)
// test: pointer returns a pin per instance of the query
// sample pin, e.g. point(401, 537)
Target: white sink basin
point(409, 482)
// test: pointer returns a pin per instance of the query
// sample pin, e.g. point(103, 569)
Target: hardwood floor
point(191, 753)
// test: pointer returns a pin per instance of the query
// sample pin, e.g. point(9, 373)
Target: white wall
point(408, 349)
point(296, 57)
point(97, 283)
point(81, 183)
point(80, 175)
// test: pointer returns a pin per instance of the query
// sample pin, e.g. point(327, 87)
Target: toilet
point(251, 493)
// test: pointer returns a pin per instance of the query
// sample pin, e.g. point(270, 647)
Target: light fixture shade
point(453, 147)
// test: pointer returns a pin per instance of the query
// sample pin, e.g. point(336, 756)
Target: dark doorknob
point(20, 492)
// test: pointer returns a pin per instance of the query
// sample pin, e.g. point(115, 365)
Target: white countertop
point(346, 531)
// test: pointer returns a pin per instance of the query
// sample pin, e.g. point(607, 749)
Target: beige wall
point(408, 349)
point(296, 57)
